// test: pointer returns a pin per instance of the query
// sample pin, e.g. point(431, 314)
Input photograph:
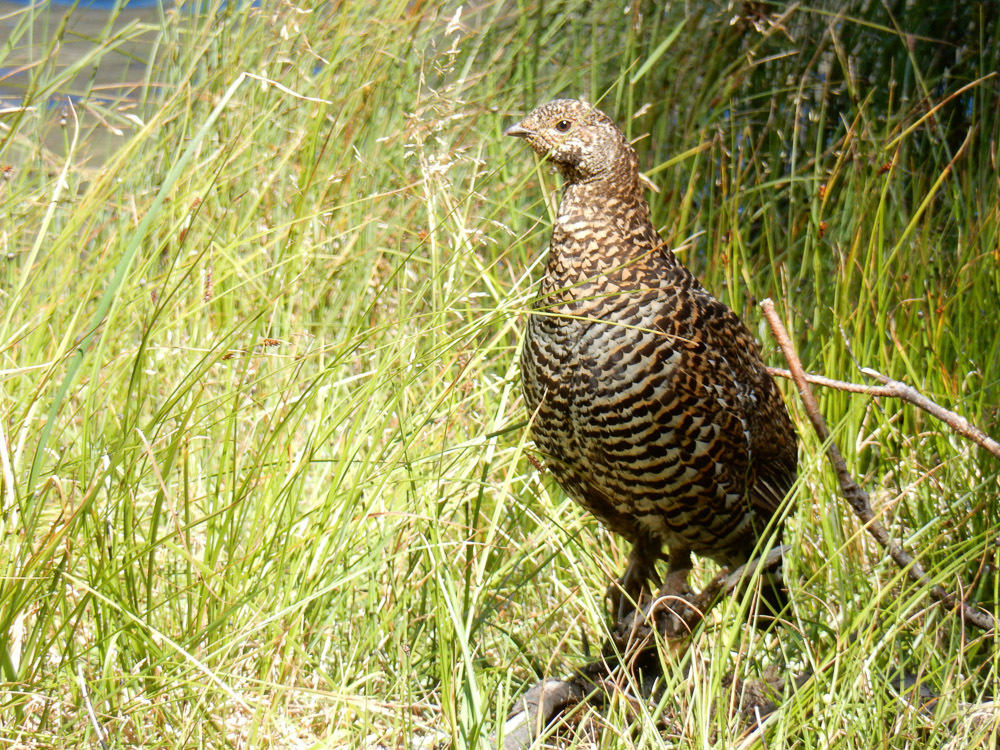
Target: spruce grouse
point(646, 395)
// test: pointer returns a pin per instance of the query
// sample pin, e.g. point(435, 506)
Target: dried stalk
point(856, 497)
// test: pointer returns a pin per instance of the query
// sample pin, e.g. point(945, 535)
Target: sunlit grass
point(265, 474)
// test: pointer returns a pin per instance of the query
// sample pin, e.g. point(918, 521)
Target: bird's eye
point(563, 126)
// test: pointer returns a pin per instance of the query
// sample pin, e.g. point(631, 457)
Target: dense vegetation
point(265, 478)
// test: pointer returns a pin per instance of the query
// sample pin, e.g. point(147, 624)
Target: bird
point(647, 396)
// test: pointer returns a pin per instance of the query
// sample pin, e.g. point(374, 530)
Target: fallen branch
point(629, 657)
point(894, 389)
point(856, 497)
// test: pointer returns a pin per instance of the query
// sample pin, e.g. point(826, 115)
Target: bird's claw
point(671, 615)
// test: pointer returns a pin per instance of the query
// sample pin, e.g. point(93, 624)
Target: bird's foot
point(675, 585)
point(673, 613)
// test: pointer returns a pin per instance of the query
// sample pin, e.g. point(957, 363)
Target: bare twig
point(840, 385)
point(957, 422)
point(856, 497)
point(895, 389)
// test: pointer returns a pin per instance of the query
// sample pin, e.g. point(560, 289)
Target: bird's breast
point(590, 362)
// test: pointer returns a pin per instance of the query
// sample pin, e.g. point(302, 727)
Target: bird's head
point(580, 140)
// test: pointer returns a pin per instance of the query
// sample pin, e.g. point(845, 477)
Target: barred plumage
point(646, 394)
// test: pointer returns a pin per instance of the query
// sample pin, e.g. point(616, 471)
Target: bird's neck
point(617, 171)
point(603, 226)
point(611, 198)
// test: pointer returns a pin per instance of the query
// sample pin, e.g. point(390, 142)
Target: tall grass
point(265, 473)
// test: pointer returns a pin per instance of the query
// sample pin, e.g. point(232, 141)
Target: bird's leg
point(676, 607)
point(631, 592)
point(678, 568)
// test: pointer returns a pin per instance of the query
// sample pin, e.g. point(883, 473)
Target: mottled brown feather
point(648, 396)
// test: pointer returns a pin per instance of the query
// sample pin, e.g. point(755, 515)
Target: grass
point(266, 480)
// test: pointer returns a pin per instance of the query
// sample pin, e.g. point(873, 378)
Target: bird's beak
point(518, 131)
